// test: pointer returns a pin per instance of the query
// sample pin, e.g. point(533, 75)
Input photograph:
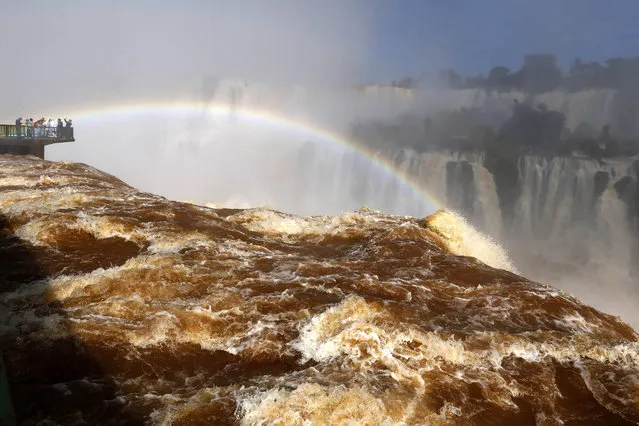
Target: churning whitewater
point(122, 307)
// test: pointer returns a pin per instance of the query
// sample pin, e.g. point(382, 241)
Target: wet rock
point(601, 179)
point(625, 188)
point(460, 186)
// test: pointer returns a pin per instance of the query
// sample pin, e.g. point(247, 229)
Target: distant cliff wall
point(567, 210)
point(595, 107)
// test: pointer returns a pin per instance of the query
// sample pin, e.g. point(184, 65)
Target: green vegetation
point(540, 73)
point(529, 129)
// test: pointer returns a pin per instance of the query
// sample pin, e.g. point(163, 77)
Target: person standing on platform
point(59, 128)
point(19, 127)
point(49, 127)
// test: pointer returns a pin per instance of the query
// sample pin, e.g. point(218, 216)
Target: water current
point(123, 307)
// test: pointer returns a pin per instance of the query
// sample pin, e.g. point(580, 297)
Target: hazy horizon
point(90, 53)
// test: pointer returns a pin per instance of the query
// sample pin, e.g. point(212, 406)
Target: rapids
point(122, 307)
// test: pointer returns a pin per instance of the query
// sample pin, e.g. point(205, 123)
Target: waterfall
point(568, 211)
point(331, 180)
point(574, 226)
point(597, 107)
point(460, 182)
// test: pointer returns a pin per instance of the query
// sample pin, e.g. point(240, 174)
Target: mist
point(216, 154)
point(90, 53)
point(100, 55)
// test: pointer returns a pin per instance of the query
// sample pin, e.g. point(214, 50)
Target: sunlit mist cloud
point(62, 53)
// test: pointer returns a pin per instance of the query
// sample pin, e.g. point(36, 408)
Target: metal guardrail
point(31, 132)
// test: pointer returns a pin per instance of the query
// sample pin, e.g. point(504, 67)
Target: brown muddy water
point(122, 307)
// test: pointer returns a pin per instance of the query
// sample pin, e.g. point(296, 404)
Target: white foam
point(314, 404)
point(464, 240)
point(365, 335)
point(33, 201)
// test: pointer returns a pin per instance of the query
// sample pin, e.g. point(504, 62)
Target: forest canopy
point(540, 73)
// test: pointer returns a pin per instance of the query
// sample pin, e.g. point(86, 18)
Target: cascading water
point(563, 204)
point(456, 180)
point(571, 226)
point(597, 107)
point(567, 211)
point(333, 180)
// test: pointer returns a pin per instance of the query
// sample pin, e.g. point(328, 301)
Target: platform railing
point(32, 132)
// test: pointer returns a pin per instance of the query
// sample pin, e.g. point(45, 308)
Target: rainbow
point(261, 117)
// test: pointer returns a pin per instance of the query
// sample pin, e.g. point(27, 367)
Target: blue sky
point(472, 36)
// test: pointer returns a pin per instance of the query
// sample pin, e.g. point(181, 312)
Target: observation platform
point(27, 140)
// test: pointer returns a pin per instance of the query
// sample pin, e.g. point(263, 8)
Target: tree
point(478, 81)
point(406, 83)
point(540, 73)
point(584, 75)
point(451, 79)
point(622, 73)
point(498, 77)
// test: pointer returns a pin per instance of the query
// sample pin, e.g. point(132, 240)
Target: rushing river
point(122, 307)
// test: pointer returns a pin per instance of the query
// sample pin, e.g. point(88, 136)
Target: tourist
point(41, 128)
point(49, 129)
point(19, 127)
